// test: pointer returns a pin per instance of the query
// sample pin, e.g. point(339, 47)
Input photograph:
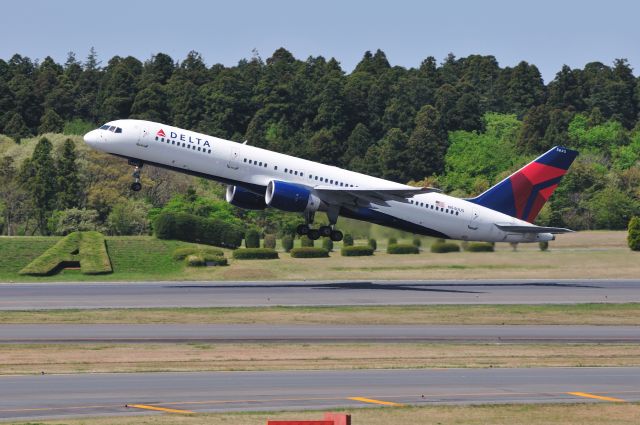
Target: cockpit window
point(111, 128)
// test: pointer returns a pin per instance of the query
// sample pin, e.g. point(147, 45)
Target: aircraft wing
point(531, 229)
point(382, 193)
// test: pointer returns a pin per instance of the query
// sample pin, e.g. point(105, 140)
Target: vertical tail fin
point(523, 193)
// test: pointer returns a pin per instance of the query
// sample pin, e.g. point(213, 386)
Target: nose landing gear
point(136, 185)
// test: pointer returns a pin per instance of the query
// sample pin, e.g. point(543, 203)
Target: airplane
point(258, 178)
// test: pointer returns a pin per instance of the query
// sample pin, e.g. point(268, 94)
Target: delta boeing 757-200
point(259, 178)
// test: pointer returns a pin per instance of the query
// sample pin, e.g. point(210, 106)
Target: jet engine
point(244, 198)
point(291, 197)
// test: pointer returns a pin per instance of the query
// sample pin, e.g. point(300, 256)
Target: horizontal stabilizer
point(531, 229)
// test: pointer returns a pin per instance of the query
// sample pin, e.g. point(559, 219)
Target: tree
point(357, 144)
point(427, 144)
point(39, 177)
point(128, 218)
point(11, 194)
point(50, 122)
point(68, 182)
point(16, 127)
point(71, 220)
point(633, 237)
point(393, 155)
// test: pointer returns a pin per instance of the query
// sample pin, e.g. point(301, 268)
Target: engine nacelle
point(291, 197)
point(244, 198)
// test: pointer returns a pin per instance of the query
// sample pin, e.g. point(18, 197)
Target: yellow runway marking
point(161, 409)
point(597, 397)
point(370, 400)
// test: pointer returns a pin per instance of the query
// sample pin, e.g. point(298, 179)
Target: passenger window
point(245, 160)
point(296, 173)
point(275, 167)
point(198, 148)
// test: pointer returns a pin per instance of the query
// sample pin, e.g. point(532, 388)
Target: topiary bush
point(402, 249)
point(309, 252)
point(373, 243)
point(214, 260)
point(392, 241)
point(327, 244)
point(356, 251)
point(480, 247)
point(194, 260)
point(305, 241)
point(269, 241)
point(287, 243)
point(417, 242)
point(544, 245)
point(633, 237)
point(255, 254)
point(444, 247)
point(347, 240)
point(252, 239)
point(184, 251)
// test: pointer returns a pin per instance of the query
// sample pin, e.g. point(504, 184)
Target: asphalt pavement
point(50, 396)
point(23, 296)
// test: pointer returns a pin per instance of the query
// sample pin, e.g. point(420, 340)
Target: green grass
point(132, 258)
point(563, 314)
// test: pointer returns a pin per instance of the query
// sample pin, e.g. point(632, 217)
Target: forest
point(461, 124)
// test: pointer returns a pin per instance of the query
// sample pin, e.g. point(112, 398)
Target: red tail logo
point(161, 133)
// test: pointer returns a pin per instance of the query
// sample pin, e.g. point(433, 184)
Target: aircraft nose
point(92, 138)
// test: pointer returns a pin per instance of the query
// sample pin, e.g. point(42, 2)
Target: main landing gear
point(324, 231)
point(136, 185)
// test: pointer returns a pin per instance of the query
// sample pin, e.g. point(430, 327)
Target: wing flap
point(531, 229)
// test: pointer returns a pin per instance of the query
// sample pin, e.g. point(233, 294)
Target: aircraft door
point(474, 223)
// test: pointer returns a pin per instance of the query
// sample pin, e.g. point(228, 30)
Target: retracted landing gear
point(136, 185)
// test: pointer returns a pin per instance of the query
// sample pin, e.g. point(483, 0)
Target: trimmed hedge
point(356, 251)
point(183, 252)
point(287, 243)
point(306, 242)
point(327, 244)
point(403, 249)
point(417, 242)
point(480, 247)
point(193, 228)
point(633, 237)
point(347, 240)
point(373, 244)
point(444, 247)
point(255, 254)
point(194, 261)
point(309, 252)
point(84, 248)
point(392, 241)
point(269, 241)
point(544, 245)
point(201, 260)
point(252, 239)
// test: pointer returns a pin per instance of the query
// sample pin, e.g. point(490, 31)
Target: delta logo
point(183, 137)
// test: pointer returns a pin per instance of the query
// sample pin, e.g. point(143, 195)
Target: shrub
point(309, 252)
point(306, 242)
point(402, 249)
point(480, 247)
point(184, 251)
point(192, 228)
point(633, 238)
point(194, 261)
point(444, 247)
point(327, 244)
point(544, 245)
point(514, 246)
point(255, 254)
point(373, 244)
point(269, 241)
point(464, 245)
point(215, 260)
point(252, 239)
point(347, 240)
point(287, 243)
point(392, 241)
point(417, 242)
point(356, 251)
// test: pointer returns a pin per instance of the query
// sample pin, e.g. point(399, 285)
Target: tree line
point(462, 124)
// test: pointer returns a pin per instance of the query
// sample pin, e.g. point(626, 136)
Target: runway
point(33, 397)
point(216, 333)
point(24, 296)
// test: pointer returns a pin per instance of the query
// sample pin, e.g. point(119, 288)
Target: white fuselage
point(430, 213)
